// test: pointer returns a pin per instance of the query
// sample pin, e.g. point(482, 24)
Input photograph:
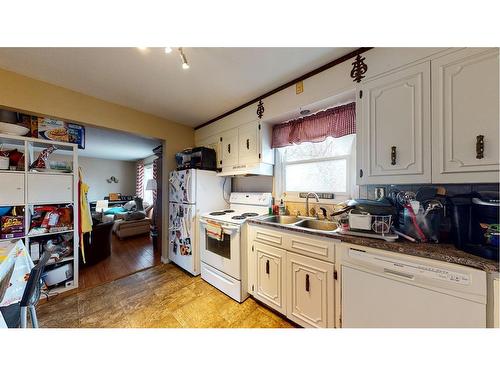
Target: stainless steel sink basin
point(282, 219)
point(323, 225)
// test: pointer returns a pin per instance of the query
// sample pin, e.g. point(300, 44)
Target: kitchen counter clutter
point(325, 279)
point(442, 252)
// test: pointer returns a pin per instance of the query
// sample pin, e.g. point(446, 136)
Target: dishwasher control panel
point(409, 270)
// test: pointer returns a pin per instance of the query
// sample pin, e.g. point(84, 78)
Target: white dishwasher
point(382, 290)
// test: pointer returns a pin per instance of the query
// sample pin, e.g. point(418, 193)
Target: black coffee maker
point(475, 223)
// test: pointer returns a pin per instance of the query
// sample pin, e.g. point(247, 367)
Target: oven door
point(223, 255)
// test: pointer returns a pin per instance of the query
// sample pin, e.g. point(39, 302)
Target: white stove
point(224, 259)
point(242, 207)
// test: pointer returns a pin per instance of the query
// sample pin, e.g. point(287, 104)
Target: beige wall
point(31, 95)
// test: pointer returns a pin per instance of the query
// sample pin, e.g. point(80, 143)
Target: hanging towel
point(84, 216)
point(214, 231)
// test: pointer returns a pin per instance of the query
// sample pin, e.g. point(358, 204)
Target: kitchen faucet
point(307, 201)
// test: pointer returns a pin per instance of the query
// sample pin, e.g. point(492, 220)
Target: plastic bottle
point(282, 207)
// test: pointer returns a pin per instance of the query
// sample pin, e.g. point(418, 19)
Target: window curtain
point(155, 177)
point(139, 180)
point(334, 122)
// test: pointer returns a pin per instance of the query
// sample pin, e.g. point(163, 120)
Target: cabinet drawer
point(271, 277)
point(267, 236)
point(12, 191)
point(310, 245)
point(321, 248)
point(310, 297)
point(50, 188)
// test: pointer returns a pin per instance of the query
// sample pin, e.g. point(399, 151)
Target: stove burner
point(239, 217)
point(228, 211)
point(249, 214)
point(217, 213)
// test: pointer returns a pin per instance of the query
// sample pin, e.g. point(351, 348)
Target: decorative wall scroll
point(260, 109)
point(359, 68)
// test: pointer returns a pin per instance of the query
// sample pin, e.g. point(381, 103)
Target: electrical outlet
point(379, 192)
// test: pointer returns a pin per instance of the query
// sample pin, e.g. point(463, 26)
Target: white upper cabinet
point(465, 116)
point(243, 148)
point(394, 127)
point(214, 142)
point(229, 146)
point(248, 140)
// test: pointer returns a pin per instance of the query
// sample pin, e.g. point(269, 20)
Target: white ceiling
point(218, 80)
point(116, 145)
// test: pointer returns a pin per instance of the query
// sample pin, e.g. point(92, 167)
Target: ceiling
point(219, 79)
point(116, 145)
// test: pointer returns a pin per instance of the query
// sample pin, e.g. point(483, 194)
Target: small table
point(14, 252)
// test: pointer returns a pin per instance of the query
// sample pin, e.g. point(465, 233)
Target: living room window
point(148, 174)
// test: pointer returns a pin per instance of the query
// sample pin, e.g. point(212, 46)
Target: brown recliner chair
point(97, 243)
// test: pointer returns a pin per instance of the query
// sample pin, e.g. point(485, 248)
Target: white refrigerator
point(192, 192)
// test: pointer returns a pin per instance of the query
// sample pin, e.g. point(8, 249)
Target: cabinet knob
point(229, 148)
point(248, 144)
point(18, 188)
point(393, 155)
point(480, 147)
point(267, 266)
point(307, 283)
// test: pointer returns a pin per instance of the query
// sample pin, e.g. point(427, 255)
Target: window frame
point(293, 196)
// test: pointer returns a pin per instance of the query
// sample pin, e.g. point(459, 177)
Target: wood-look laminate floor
point(128, 256)
point(161, 296)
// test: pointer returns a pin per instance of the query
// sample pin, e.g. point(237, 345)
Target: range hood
point(256, 169)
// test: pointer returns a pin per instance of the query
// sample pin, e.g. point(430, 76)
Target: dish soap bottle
point(282, 210)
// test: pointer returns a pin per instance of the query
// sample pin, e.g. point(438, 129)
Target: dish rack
point(380, 224)
point(372, 226)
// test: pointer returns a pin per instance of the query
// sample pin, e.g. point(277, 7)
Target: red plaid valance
point(333, 122)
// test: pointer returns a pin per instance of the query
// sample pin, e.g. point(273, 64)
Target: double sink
point(301, 222)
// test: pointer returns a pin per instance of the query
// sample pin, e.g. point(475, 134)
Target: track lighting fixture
point(185, 64)
point(168, 50)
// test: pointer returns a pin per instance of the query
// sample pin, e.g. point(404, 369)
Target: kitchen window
point(324, 166)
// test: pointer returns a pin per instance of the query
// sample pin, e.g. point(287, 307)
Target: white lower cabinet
point(296, 285)
point(46, 188)
point(270, 278)
point(12, 189)
point(310, 295)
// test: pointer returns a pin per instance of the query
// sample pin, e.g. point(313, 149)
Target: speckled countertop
point(443, 252)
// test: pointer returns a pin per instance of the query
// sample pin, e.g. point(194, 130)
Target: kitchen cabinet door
point(214, 142)
point(249, 143)
point(270, 278)
point(12, 188)
point(229, 144)
point(310, 298)
point(47, 188)
point(394, 127)
point(465, 114)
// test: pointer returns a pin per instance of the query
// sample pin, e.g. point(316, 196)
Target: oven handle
point(229, 228)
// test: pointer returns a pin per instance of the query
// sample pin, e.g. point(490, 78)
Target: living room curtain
point(334, 122)
point(155, 177)
point(139, 180)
